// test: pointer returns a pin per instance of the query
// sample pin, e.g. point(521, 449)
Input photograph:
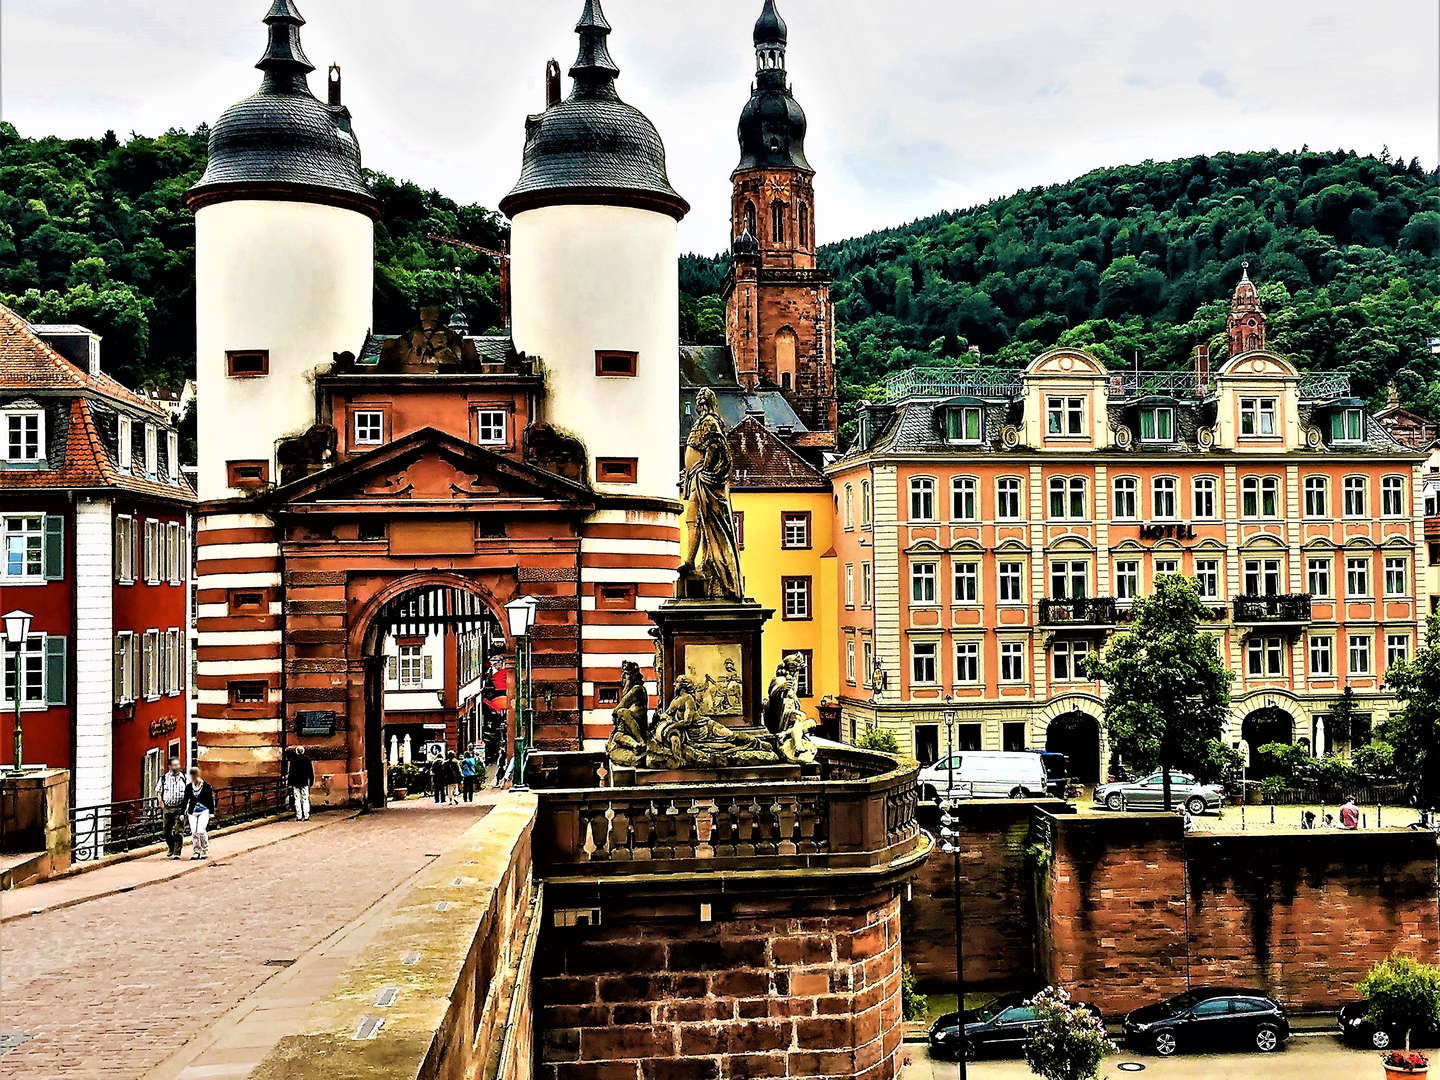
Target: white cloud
point(914, 106)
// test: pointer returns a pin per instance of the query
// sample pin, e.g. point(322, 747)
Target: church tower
point(778, 319)
point(284, 262)
point(1246, 324)
point(595, 280)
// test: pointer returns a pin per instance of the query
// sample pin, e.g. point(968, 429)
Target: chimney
point(335, 84)
point(552, 84)
point(505, 285)
point(1202, 369)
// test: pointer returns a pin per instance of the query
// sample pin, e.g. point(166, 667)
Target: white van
point(979, 774)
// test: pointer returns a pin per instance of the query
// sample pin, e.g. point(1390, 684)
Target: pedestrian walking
point(170, 791)
point(501, 765)
point(301, 777)
point(199, 807)
point(453, 777)
point(1349, 814)
point(437, 778)
point(469, 767)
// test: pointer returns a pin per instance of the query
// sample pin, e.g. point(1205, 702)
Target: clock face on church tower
point(779, 189)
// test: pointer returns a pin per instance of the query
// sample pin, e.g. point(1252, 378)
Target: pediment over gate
point(430, 468)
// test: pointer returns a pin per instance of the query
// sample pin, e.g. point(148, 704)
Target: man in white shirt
point(171, 793)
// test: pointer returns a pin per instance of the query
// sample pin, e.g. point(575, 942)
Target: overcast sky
point(914, 105)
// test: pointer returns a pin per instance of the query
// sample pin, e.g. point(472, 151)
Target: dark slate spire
point(285, 63)
point(594, 71)
point(770, 28)
point(772, 124)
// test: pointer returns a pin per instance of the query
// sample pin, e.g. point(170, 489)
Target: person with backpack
point(469, 767)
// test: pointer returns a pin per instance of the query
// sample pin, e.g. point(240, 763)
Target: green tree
point(1070, 1042)
point(1403, 994)
point(878, 739)
point(1414, 731)
point(1167, 690)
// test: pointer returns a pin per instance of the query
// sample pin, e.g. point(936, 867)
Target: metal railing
point(113, 828)
point(1288, 608)
point(1082, 611)
point(994, 382)
point(978, 382)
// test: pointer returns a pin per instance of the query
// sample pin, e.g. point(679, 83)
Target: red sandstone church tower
point(779, 319)
point(1246, 324)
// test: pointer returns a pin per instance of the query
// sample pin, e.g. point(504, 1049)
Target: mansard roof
point(763, 462)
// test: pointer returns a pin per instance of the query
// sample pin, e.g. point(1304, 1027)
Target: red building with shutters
point(96, 516)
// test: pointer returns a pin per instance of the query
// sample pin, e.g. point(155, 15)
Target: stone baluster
point(723, 833)
point(787, 817)
point(745, 830)
point(766, 828)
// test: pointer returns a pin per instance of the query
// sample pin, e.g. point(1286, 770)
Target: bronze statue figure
point(712, 557)
point(785, 717)
point(627, 741)
point(685, 737)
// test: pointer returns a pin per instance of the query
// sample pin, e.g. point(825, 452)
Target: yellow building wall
point(765, 563)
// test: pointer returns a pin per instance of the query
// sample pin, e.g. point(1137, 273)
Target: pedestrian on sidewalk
point(1349, 814)
point(171, 793)
point(301, 777)
point(453, 776)
point(501, 765)
point(437, 778)
point(469, 766)
point(199, 807)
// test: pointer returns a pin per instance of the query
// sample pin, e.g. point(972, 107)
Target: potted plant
point(1070, 1040)
point(1403, 994)
point(1406, 1063)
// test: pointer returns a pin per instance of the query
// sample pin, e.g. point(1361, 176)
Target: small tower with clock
point(779, 321)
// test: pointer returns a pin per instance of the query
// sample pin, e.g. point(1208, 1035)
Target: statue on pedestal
point(785, 717)
point(712, 560)
point(685, 738)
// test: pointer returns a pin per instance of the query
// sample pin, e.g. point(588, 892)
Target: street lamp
point(950, 844)
point(521, 615)
point(17, 633)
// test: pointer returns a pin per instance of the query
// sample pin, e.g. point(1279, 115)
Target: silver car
point(1148, 793)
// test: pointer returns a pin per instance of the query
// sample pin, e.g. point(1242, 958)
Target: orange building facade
point(994, 528)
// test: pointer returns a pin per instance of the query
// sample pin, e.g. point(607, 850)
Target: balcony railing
point(1083, 611)
point(111, 828)
point(860, 814)
point(1289, 608)
point(993, 382)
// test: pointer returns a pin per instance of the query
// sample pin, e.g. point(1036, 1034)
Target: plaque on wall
point(315, 725)
point(718, 670)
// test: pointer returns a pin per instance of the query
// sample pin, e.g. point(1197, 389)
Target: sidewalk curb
point(145, 852)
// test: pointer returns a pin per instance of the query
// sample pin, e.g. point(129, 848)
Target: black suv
point(1004, 1025)
point(1210, 1018)
point(1358, 1029)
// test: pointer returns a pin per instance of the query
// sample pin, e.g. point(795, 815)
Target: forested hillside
point(1135, 262)
point(1140, 261)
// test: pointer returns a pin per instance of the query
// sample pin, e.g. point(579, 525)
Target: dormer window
point(1347, 425)
point(1157, 424)
point(1065, 416)
point(125, 443)
point(1257, 417)
point(24, 436)
point(964, 425)
point(152, 451)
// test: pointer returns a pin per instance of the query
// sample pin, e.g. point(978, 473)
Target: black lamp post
point(521, 615)
point(950, 844)
point(17, 634)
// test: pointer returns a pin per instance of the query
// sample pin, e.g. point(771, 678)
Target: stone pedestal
point(35, 817)
point(697, 638)
point(623, 777)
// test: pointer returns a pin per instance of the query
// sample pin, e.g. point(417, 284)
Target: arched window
point(849, 506)
point(1163, 491)
point(1127, 500)
point(1067, 498)
point(1260, 497)
point(750, 225)
point(1007, 498)
point(866, 506)
point(1204, 500)
point(786, 358)
point(777, 221)
point(1392, 496)
point(803, 222)
point(922, 499)
point(965, 498)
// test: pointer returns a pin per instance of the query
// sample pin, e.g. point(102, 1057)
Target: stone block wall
point(804, 987)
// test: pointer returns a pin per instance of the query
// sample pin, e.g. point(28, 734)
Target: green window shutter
point(54, 547)
point(972, 424)
point(1337, 426)
point(1147, 424)
point(57, 674)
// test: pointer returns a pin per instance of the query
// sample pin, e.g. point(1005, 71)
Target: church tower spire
point(594, 71)
point(1246, 324)
point(285, 64)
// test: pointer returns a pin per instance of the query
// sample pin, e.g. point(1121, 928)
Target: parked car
point(1206, 1019)
point(979, 774)
point(1358, 1029)
point(1057, 771)
point(1148, 793)
point(1002, 1026)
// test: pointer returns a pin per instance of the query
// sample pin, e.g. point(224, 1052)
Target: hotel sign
point(1169, 530)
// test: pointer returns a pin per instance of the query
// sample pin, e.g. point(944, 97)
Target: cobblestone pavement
point(110, 988)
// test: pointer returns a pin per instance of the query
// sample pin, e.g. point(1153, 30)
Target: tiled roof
point(763, 462)
point(494, 349)
point(27, 363)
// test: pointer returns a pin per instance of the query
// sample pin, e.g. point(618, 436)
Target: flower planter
point(1405, 1074)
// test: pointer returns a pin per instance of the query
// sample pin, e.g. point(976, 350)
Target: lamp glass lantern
point(520, 613)
point(17, 628)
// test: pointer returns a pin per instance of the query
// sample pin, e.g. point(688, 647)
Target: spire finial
point(593, 69)
point(285, 64)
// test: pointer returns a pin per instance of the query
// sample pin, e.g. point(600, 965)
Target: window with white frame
point(1167, 567)
point(1165, 498)
point(1067, 498)
point(1207, 578)
point(1347, 425)
point(369, 427)
point(922, 583)
point(1397, 575)
point(965, 425)
point(176, 552)
point(849, 585)
point(1357, 576)
point(1260, 497)
point(867, 505)
point(125, 549)
point(1356, 496)
point(1265, 657)
point(1065, 416)
point(1127, 579)
point(24, 435)
point(1262, 577)
point(172, 456)
point(1070, 579)
point(1317, 575)
point(32, 673)
point(176, 673)
point(1157, 424)
point(849, 507)
point(1397, 649)
point(125, 443)
point(1204, 498)
point(1067, 658)
point(151, 547)
point(924, 666)
point(867, 588)
point(922, 498)
point(1127, 498)
point(795, 592)
point(150, 665)
point(967, 583)
point(1257, 417)
point(1360, 645)
point(24, 547)
point(152, 451)
point(850, 661)
point(1007, 499)
point(964, 503)
point(967, 662)
point(410, 666)
point(867, 666)
point(795, 530)
point(1010, 582)
point(1322, 655)
point(126, 668)
point(1317, 497)
point(1012, 661)
point(492, 427)
point(1392, 496)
